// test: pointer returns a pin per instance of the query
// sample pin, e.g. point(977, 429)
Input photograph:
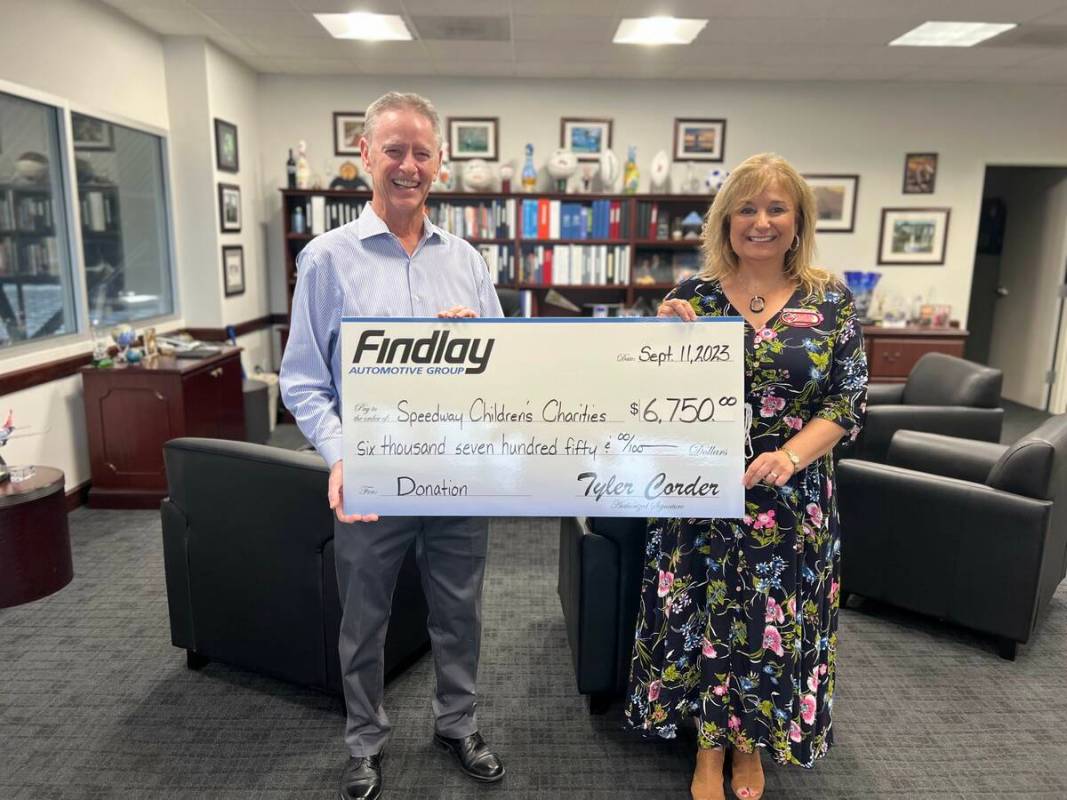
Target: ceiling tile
point(563, 28)
point(248, 24)
point(726, 9)
point(174, 22)
point(344, 6)
point(470, 51)
point(474, 69)
point(241, 5)
point(306, 47)
point(457, 8)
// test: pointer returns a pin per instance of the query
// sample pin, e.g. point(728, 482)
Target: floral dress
point(738, 617)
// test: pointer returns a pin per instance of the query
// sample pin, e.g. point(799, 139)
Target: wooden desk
point(35, 556)
point(892, 352)
point(131, 410)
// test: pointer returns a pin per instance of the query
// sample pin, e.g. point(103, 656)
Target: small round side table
point(35, 558)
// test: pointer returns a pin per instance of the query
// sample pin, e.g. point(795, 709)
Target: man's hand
point(336, 495)
point(457, 312)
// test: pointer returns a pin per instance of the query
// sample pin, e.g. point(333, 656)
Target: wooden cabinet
point(892, 352)
point(131, 410)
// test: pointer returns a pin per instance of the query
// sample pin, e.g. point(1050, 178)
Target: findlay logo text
point(394, 356)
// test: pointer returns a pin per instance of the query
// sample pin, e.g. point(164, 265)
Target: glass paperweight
point(19, 474)
point(862, 284)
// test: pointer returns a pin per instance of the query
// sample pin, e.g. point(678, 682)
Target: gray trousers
point(451, 556)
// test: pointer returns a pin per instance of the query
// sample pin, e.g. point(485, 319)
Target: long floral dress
point(738, 617)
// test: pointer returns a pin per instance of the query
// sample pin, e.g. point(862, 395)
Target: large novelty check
point(545, 417)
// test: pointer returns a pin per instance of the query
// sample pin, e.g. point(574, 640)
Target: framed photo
point(151, 346)
point(229, 208)
point(835, 201)
point(699, 139)
point(226, 146)
point(920, 172)
point(586, 138)
point(233, 269)
point(473, 137)
point(913, 236)
point(347, 131)
point(90, 133)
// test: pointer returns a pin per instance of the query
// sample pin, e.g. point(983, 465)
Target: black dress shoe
point(362, 778)
point(474, 756)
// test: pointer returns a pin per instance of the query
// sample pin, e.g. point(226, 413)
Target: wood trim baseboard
point(242, 328)
point(78, 496)
point(42, 373)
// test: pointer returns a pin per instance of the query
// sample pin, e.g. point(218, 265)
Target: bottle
point(298, 219)
point(631, 175)
point(290, 170)
point(303, 169)
point(529, 171)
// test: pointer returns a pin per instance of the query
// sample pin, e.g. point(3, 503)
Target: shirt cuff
point(331, 450)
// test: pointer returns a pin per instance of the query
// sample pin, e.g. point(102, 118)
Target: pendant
point(756, 304)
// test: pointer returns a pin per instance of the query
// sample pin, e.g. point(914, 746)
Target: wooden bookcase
point(645, 260)
point(29, 251)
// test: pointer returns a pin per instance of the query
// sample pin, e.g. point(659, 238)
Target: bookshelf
point(29, 252)
point(590, 248)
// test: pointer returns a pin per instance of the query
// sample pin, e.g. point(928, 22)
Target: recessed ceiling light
point(369, 27)
point(658, 30)
point(951, 34)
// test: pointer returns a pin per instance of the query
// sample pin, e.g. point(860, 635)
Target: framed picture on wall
point(233, 269)
point(913, 236)
point(229, 208)
point(699, 139)
point(920, 173)
point(90, 133)
point(226, 146)
point(473, 137)
point(347, 131)
point(835, 201)
point(586, 138)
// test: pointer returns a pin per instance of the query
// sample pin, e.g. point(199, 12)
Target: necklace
point(756, 303)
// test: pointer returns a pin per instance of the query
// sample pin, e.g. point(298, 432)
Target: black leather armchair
point(600, 565)
point(970, 532)
point(943, 394)
point(248, 555)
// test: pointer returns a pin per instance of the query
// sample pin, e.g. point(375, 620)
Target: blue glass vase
point(862, 284)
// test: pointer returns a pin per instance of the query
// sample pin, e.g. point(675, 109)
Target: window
point(36, 286)
point(125, 236)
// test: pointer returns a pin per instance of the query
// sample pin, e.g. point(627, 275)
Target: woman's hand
point(773, 469)
point(677, 308)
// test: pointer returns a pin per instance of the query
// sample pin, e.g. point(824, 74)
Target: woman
point(738, 619)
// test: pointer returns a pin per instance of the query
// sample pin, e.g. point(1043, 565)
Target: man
point(392, 261)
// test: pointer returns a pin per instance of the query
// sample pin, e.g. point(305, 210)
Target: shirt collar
point(370, 224)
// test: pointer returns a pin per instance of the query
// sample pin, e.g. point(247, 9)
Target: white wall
point(822, 128)
point(99, 60)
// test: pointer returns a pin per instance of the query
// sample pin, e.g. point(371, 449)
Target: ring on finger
point(772, 475)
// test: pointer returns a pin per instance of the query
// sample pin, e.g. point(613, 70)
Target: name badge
point(801, 317)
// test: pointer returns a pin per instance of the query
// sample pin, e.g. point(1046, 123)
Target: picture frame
point(347, 131)
point(90, 133)
point(920, 173)
point(473, 137)
point(229, 208)
point(233, 269)
point(226, 151)
point(586, 137)
point(699, 139)
point(151, 345)
point(913, 236)
point(835, 201)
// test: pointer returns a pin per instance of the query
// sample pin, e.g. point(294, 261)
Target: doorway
point(1016, 314)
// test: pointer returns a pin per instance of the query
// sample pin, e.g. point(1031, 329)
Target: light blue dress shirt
point(362, 270)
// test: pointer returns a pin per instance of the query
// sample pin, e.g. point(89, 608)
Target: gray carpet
point(96, 703)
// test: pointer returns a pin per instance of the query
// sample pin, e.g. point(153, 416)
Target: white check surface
point(628, 417)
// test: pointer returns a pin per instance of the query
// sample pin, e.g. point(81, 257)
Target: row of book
point(326, 213)
point(555, 219)
point(39, 257)
point(32, 213)
point(492, 220)
point(653, 222)
point(574, 264)
point(100, 211)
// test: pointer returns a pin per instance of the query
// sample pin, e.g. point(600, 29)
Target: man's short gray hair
point(395, 101)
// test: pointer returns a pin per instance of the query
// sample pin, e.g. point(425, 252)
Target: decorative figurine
point(715, 179)
point(507, 172)
point(589, 171)
point(691, 183)
point(609, 171)
point(529, 171)
point(561, 165)
point(445, 181)
point(477, 175)
point(660, 172)
point(348, 178)
point(303, 169)
point(5, 434)
point(692, 225)
point(631, 175)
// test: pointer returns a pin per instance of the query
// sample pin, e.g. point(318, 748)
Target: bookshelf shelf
point(626, 257)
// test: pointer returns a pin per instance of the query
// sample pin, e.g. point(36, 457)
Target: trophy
point(561, 165)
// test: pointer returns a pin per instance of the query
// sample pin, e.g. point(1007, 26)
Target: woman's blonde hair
point(749, 179)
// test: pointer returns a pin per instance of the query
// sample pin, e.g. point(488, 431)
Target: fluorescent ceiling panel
point(951, 34)
point(658, 30)
point(368, 27)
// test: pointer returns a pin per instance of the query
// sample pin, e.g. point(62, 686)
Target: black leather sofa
point(248, 555)
point(970, 532)
point(943, 394)
point(600, 564)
